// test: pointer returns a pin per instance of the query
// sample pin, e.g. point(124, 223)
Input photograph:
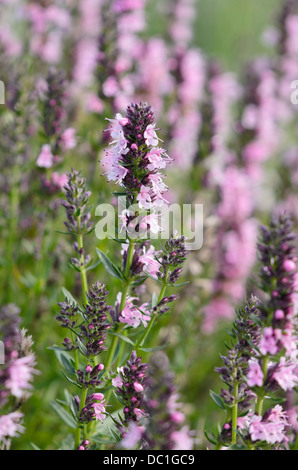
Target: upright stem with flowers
point(134, 161)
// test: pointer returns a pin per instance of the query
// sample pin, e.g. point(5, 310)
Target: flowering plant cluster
point(84, 87)
point(261, 359)
point(16, 376)
point(95, 328)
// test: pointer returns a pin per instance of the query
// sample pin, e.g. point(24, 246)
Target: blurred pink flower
point(10, 426)
point(20, 373)
point(254, 375)
point(182, 439)
point(94, 104)
point(46, 158)
point(68, 139)
point(268, 343)
point(59, 180)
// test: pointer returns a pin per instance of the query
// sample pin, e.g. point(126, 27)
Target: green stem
point(82, 262)
point(13, 224)
point(296, 443)
point(124, 294)
point(153, 318)
point(85, 291)
point(78, 429)
point(260, 401)
point(235, 414)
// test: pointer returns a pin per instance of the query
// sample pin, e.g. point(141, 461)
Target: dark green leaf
point(217, 399)
point(158, 348)
point(109, 265)
point(64, 415)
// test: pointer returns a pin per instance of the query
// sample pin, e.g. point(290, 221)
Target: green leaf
point(109, 265)
point(158, 348)
point(67, 364)
point(93, 266)
point(34, 446)
point(119, 193)
point(69, 296)
point(154, 300)
point(211, 439)
point(124, 338)
point(67, 443)
point(82, 347)
point(102, 440)
point(238, 447)
point(71, 380)
point(57, 348)
point(71, 403)
point(180, 285)
point(64, 415)
point(154, 278)
point(217, 399)
point(64, 233)
point(116, 436)
point(64, 359)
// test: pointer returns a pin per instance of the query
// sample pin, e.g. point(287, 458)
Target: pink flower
point(132, 436)
point(279, 314)
point(255, 375)
point(139, 413)
point(68, 139)
point(151, 264)
point(21, 373)
point(236, 202)
point(125, 214)
point(150, 135)
point(120, 6)
point(10, 426)
point(272, 430)
point(219, 307)
point(117, 381)
point(131, 315)
point(256, 151)
point(99, 410)
point(182, 439)
point(289, 265)
point(156, 159)
point(110, 87)
point(144, 198)
point(286, 374)
point(244, 421)
point(268, 343)
point(59, 180)
point(158, 188)
point(46, 158)
point(150, 222)
point(138, 387)
point(94, 104)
